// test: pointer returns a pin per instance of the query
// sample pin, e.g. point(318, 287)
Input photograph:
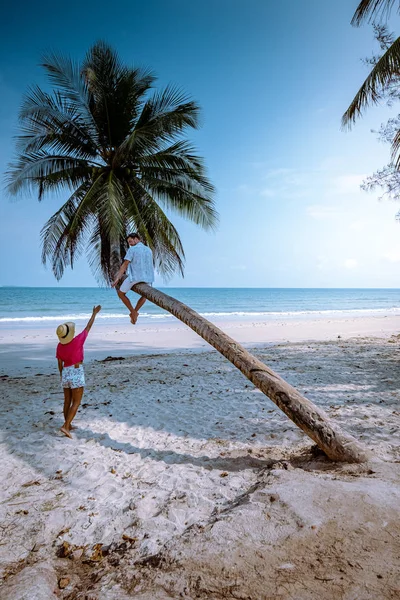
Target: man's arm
point(121, 271)
point(96, 310)
point(60, 365)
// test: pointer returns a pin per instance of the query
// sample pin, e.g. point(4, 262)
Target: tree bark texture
point(337, 444)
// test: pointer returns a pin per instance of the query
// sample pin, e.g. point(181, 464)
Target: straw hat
point(66, 332)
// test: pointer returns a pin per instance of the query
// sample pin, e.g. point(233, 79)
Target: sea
point(37, 307)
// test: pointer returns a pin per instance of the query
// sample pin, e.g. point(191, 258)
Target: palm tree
point(121, 153)
point(337, 445)
point(385, 69)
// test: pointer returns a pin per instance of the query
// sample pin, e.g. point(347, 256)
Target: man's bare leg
point(77, 394)
point(138, 306)
point(127, 302)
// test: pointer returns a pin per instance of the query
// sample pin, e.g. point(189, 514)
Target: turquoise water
point(46, 306)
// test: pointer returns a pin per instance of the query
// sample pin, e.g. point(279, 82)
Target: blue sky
point(273, 79)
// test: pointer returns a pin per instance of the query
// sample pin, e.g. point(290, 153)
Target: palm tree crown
point(384, 71)
point(120, 151)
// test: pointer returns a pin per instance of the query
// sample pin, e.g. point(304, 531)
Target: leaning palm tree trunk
point(336, 444)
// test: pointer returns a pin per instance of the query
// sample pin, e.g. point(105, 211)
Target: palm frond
point(380, 77)
point(51, 122)
point(66, 76)
point(162, 118)
point(59, 247)
point(63, 234)
point(371, 9)
point(197, 208)
point(96, 255)
point(179, 159)
point(110, 204)
point(137, 216)
point(34, 170)
point(117, 92)
point(395, 150)
point(187, 178)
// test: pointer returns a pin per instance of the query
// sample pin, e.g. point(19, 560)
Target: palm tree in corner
point(384, 70)
point(122, 156)
point(120, 151)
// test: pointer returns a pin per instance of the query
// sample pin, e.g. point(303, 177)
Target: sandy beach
point(184, 481)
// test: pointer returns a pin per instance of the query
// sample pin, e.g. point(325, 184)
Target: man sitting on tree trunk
point(138, 263)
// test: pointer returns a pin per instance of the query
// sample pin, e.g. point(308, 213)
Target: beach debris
point(63, 531)
point(63, 582)
point(128, 538)
point(30, 483)
point(224, 474)
point(99, 551)
point(287, 566)
point(65, 550)
point(111, 358)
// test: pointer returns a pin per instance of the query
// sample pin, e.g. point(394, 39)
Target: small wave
point(61, 318)
point(233, 314)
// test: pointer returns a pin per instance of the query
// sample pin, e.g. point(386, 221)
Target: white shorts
point(127, 285)
point(73, 377)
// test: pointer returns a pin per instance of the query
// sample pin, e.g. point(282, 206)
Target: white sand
point(215, 490)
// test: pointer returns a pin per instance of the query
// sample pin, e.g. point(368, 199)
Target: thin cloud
point(351, 263)
point(321, 212)
point(348, 184)
point(393, 256)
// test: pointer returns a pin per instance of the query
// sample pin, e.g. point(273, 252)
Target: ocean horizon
point(48, 305)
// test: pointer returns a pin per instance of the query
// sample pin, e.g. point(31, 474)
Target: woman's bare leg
point(67, 406)
point(77, 394)
point(67, 402)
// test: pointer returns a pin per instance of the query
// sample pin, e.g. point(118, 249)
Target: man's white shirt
point(140, 268)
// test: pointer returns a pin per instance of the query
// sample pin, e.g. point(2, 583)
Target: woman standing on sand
point(70, 364)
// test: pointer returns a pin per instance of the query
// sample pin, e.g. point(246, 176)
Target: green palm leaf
point(371, 9)
point(63, 234)
point(387, 67)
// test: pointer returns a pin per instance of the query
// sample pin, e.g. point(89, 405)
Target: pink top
point(72, 352)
